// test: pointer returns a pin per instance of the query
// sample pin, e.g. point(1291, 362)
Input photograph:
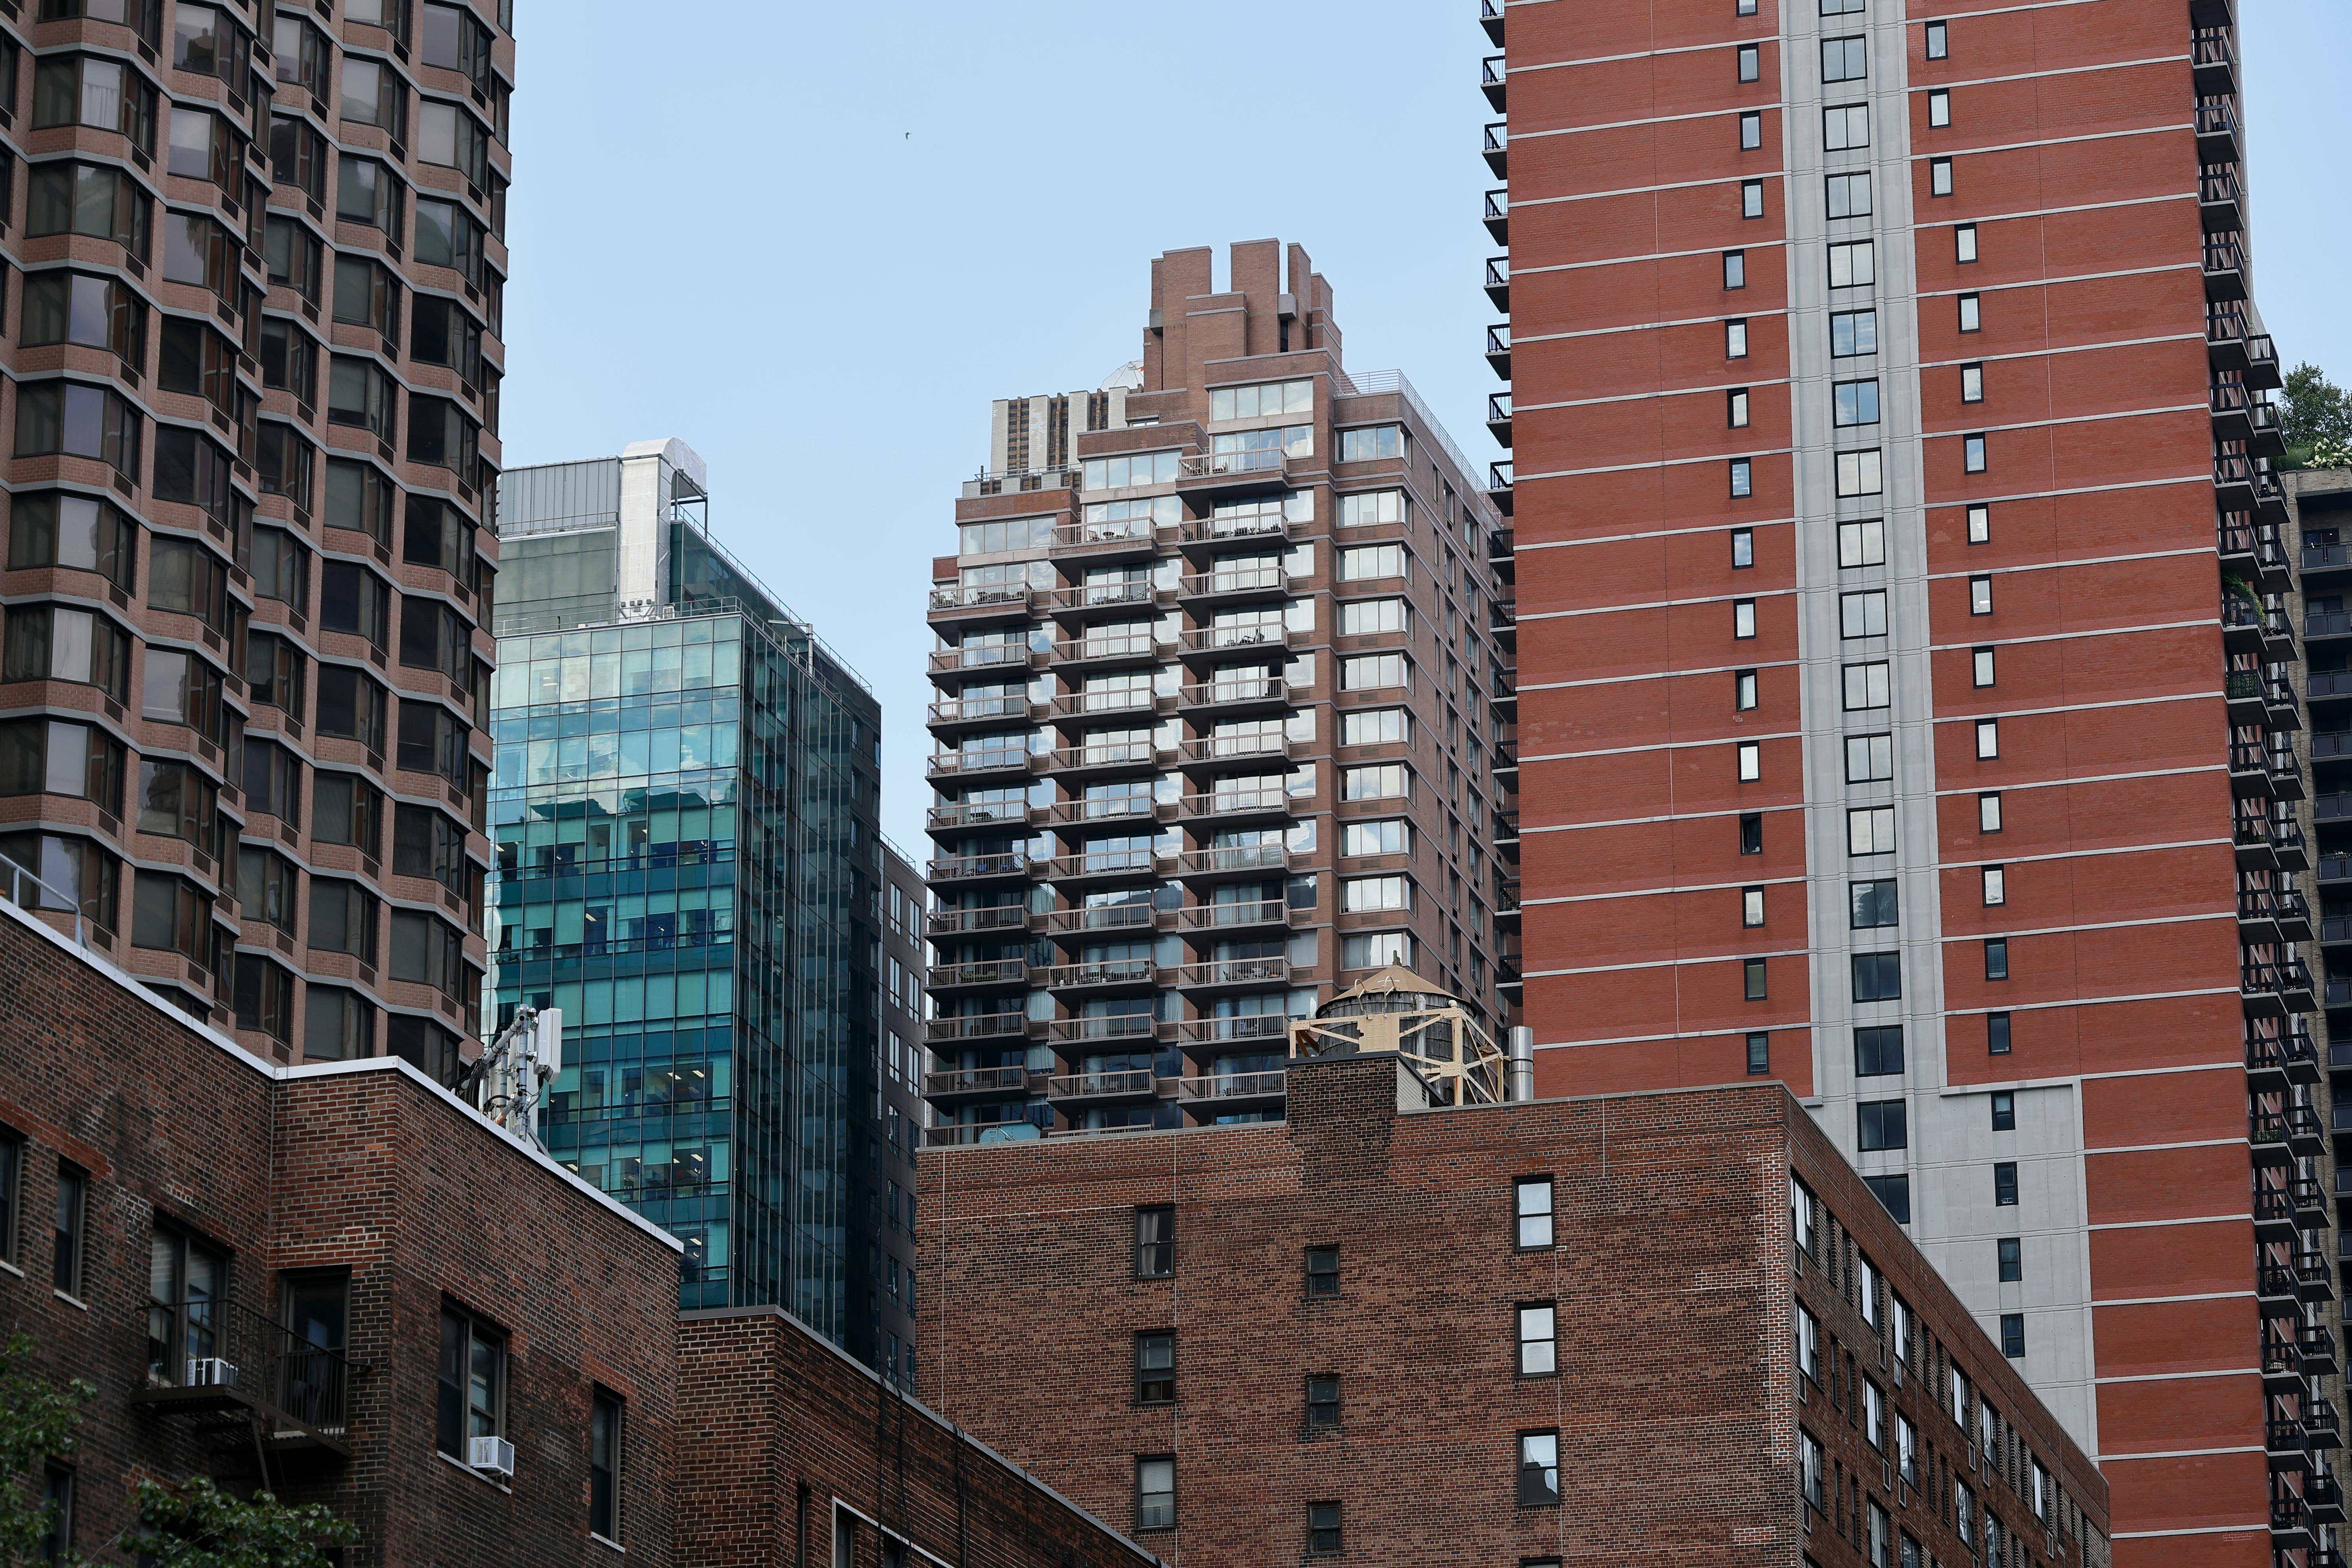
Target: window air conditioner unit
point(493, 1453)
point(211, 1372)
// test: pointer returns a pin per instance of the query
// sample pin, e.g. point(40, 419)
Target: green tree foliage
point(193, 1525)
point(2316, 421)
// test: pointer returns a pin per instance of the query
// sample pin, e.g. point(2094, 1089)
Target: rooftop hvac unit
point(211, 1372)
point(493, 1453)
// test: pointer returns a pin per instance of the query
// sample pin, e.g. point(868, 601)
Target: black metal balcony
point(2213, 62)
point(956, 1084)
point(1495, 147)
point(2325, 1495)
point(257, 1370)
point(1498, 486)
point(2220, 203)
point(1498, 215)
point(2225, 337)
point(2274, 1221)
point(2262, 363)
point(1498, 282)
point(2284, 1444)
point(2216, 133)
point(2225, 269)
point(2317, 1345)
point(1490, 16)
point(2321, 1423)
point(2266, 1135)
point(1498, 418)
point(2292, 1526)
point(1501, 556)
point(1490, 81)
point(1499, 349)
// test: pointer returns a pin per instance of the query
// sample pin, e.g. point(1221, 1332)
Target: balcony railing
point(982, 972)
point(1220, 917)
point(957, 922)
point(251, 1363)
point(976, 1081)
point(1232, 1087)
point(1009, 595)
point(1125, 1085)
point(979, 1026)
point(965, 868)
point(1100, 972)
point(1235, 971)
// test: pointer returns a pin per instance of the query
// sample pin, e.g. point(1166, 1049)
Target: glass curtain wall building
point(688, 865)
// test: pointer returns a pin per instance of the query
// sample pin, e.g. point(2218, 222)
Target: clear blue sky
point(813, 241)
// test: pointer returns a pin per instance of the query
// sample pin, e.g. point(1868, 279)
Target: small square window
point(1971, 313)
point(1980, 525)
point(1964, 242)
point(1759, 1054)
point(1894, 1193)
point(1971, 384)
point(2012, 1335)
point(1750, 62)
point(1744, 8)
point(1743, 482)
point(1996, 958)
point(1881, 1125)
point(1322, 1271)
point(1853, 332)
point(1751, 761)
point(1996, 885)
point(1323, 1402)
point(1878, 1051)
point(1743, 548)
point(1988, 740)
point(1996, 1034)
point(1752, 907)
point(2010, 1252)
point(1734, 270)
point(1743, 620)
point(1848, 195)
point(1736, 407)
point(1533, 1198)
point(1862, 543)
point(1751, 833)
point(1743, 690)
point(1940, 41)
point(1751, 131)
point(1863, 614)
point(1755, 979)
point(1869, 759)
point(1972, 454)
point(1323, 1528)
point(1539, 1340)
point(2004, 1108)
point(1751, 198)
point(1735, 339)
point(1939, 108)
point(2004, 1184)
point(1939, 177)
point(1872, 905)
point(1876, 976)
point(1540, 1469)
point(1988, 811)
point(1845, 126)
point(1981, 666)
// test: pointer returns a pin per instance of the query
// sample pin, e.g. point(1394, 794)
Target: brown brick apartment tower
point(1218, 662)
point(1898, 585)
point(252, 343)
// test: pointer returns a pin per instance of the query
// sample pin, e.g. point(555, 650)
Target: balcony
point(1237, 860)
point(1000, 1026)
point(993, 601)
point(1107, 702)
point(965, 819)
point(2216, 133)
point(1490, 81)
point(1104, 757)
point(2287, 845)
point(2274, 1222)
point(2314, 1279)
point(2327, 625)
point(2307, 1139)
point(2267, 439)
point(1104, 977)
point(2241, 624)
point(1234, 975)
point(1499, 349)
point(2228, 402)
point(978, 763)
point(2282, 704)
point(2317, 1345)
point(1503, 620)
point(2249, 770)
point(2262, 363)
point(2270, 496)
point(980, 972)
point(1234, 806)
point(1131, 1029)
point(1271, 745)
point(1009, 658)
point(1501, 553)
point(1098, 811)
point(1230, 1091)
point(1100, 918)
point(1203, 1037)
point(1498, 215)
point(974, 1083)
point(957, 712)
point(2285, 770)
point(2328, 558)
point(978, 867)
point(292, 1392)
point(1128, 599)
point(1098, 866)
point(1004, 919)
point(1490, 16)
point(2285, 1445)
point(1128, 538)
point(2218, 202)
point(1242, 695)
point(2292, 1526)
point(2225, 338)
point(1204, 535)
point(2257, 851)
point(2233, 474)
point(2213, 63)
point(2337, 994)
point(2275, 1287)
point(2245, 698)
point(2266, 1135)
point(1131, 648)
point(2321, 1423)
point(1240, 585)
point(2325, 1495)
point(1102, 1088)
point(1498, 486)
point(1496, 148)
point(1498, 418)
point(1269, 638)
point(1498, 282)
point(2266, 1054)
point(2225, 269)
point(1218, 472)
point(1234, 917)
point(2302, 1055)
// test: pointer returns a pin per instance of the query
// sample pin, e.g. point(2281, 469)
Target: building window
point(2012, 1335)
point(1743, 690)
point(1988, 739)
point(1852, 265)
point(1852, 334)
point(185, 1284)
point(1874, 904)
point(1878, 1052)
point(1862, 543)
point(1323, 1532)
point(1751, 131)
point(1996, 951)
point(1155, 1243)
point(1754, 970)
point(1964, 243)
point(1155, 1367)
point(1996, 1034)
point(2004, 1108)
point(1971, 320)
point(1939, 177)
point(1865, 687)
point(1939, 40)
point(1981, 666)
point(1734, 270)
point(1751, 198)
point(57, 1504)
point(1810, 1467)
point(1751, 761)
point(1863, 615)
point(1971, 384)
point(1538, 1341)
point(1845, 126)
point(1743, 618)
point(1848, 195)
point(1540, 1469)
point(1996, 885)
point(1869, 759)
point(1877, 977)
point(1844, 59)
point(1155, 1491)
point(1736, 407)
point(1988, 811)
point(1752, 907)
point(1882, 1124)
point(1750, 62)
point(1322, 1271)
point(11, 1187)
point(1323, 1402)
point(1870, 830)
point(2010, 1253)
point(1939, 108)
point(1743, 477)
point(1759, 1054)
point(1893, 1194)
point(1861, 473)
point(604, 1426)
point(1853, 403)
point(2004, 1184)
point(1743, 548)
point(472, 1384)
point(1535, 1214)
point(66, 1260)
point(1735, 339)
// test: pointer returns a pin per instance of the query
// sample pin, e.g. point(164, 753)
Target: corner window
point(1533, 1200)
point(1538, 1341)
point(472, 1385)
point(1540, 1469)
point(1155, 1243)
point(1155, 1491)
point(1155, 1367)
point(604, 1429)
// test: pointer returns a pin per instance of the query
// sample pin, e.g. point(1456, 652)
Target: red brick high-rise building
point(1901, 712)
